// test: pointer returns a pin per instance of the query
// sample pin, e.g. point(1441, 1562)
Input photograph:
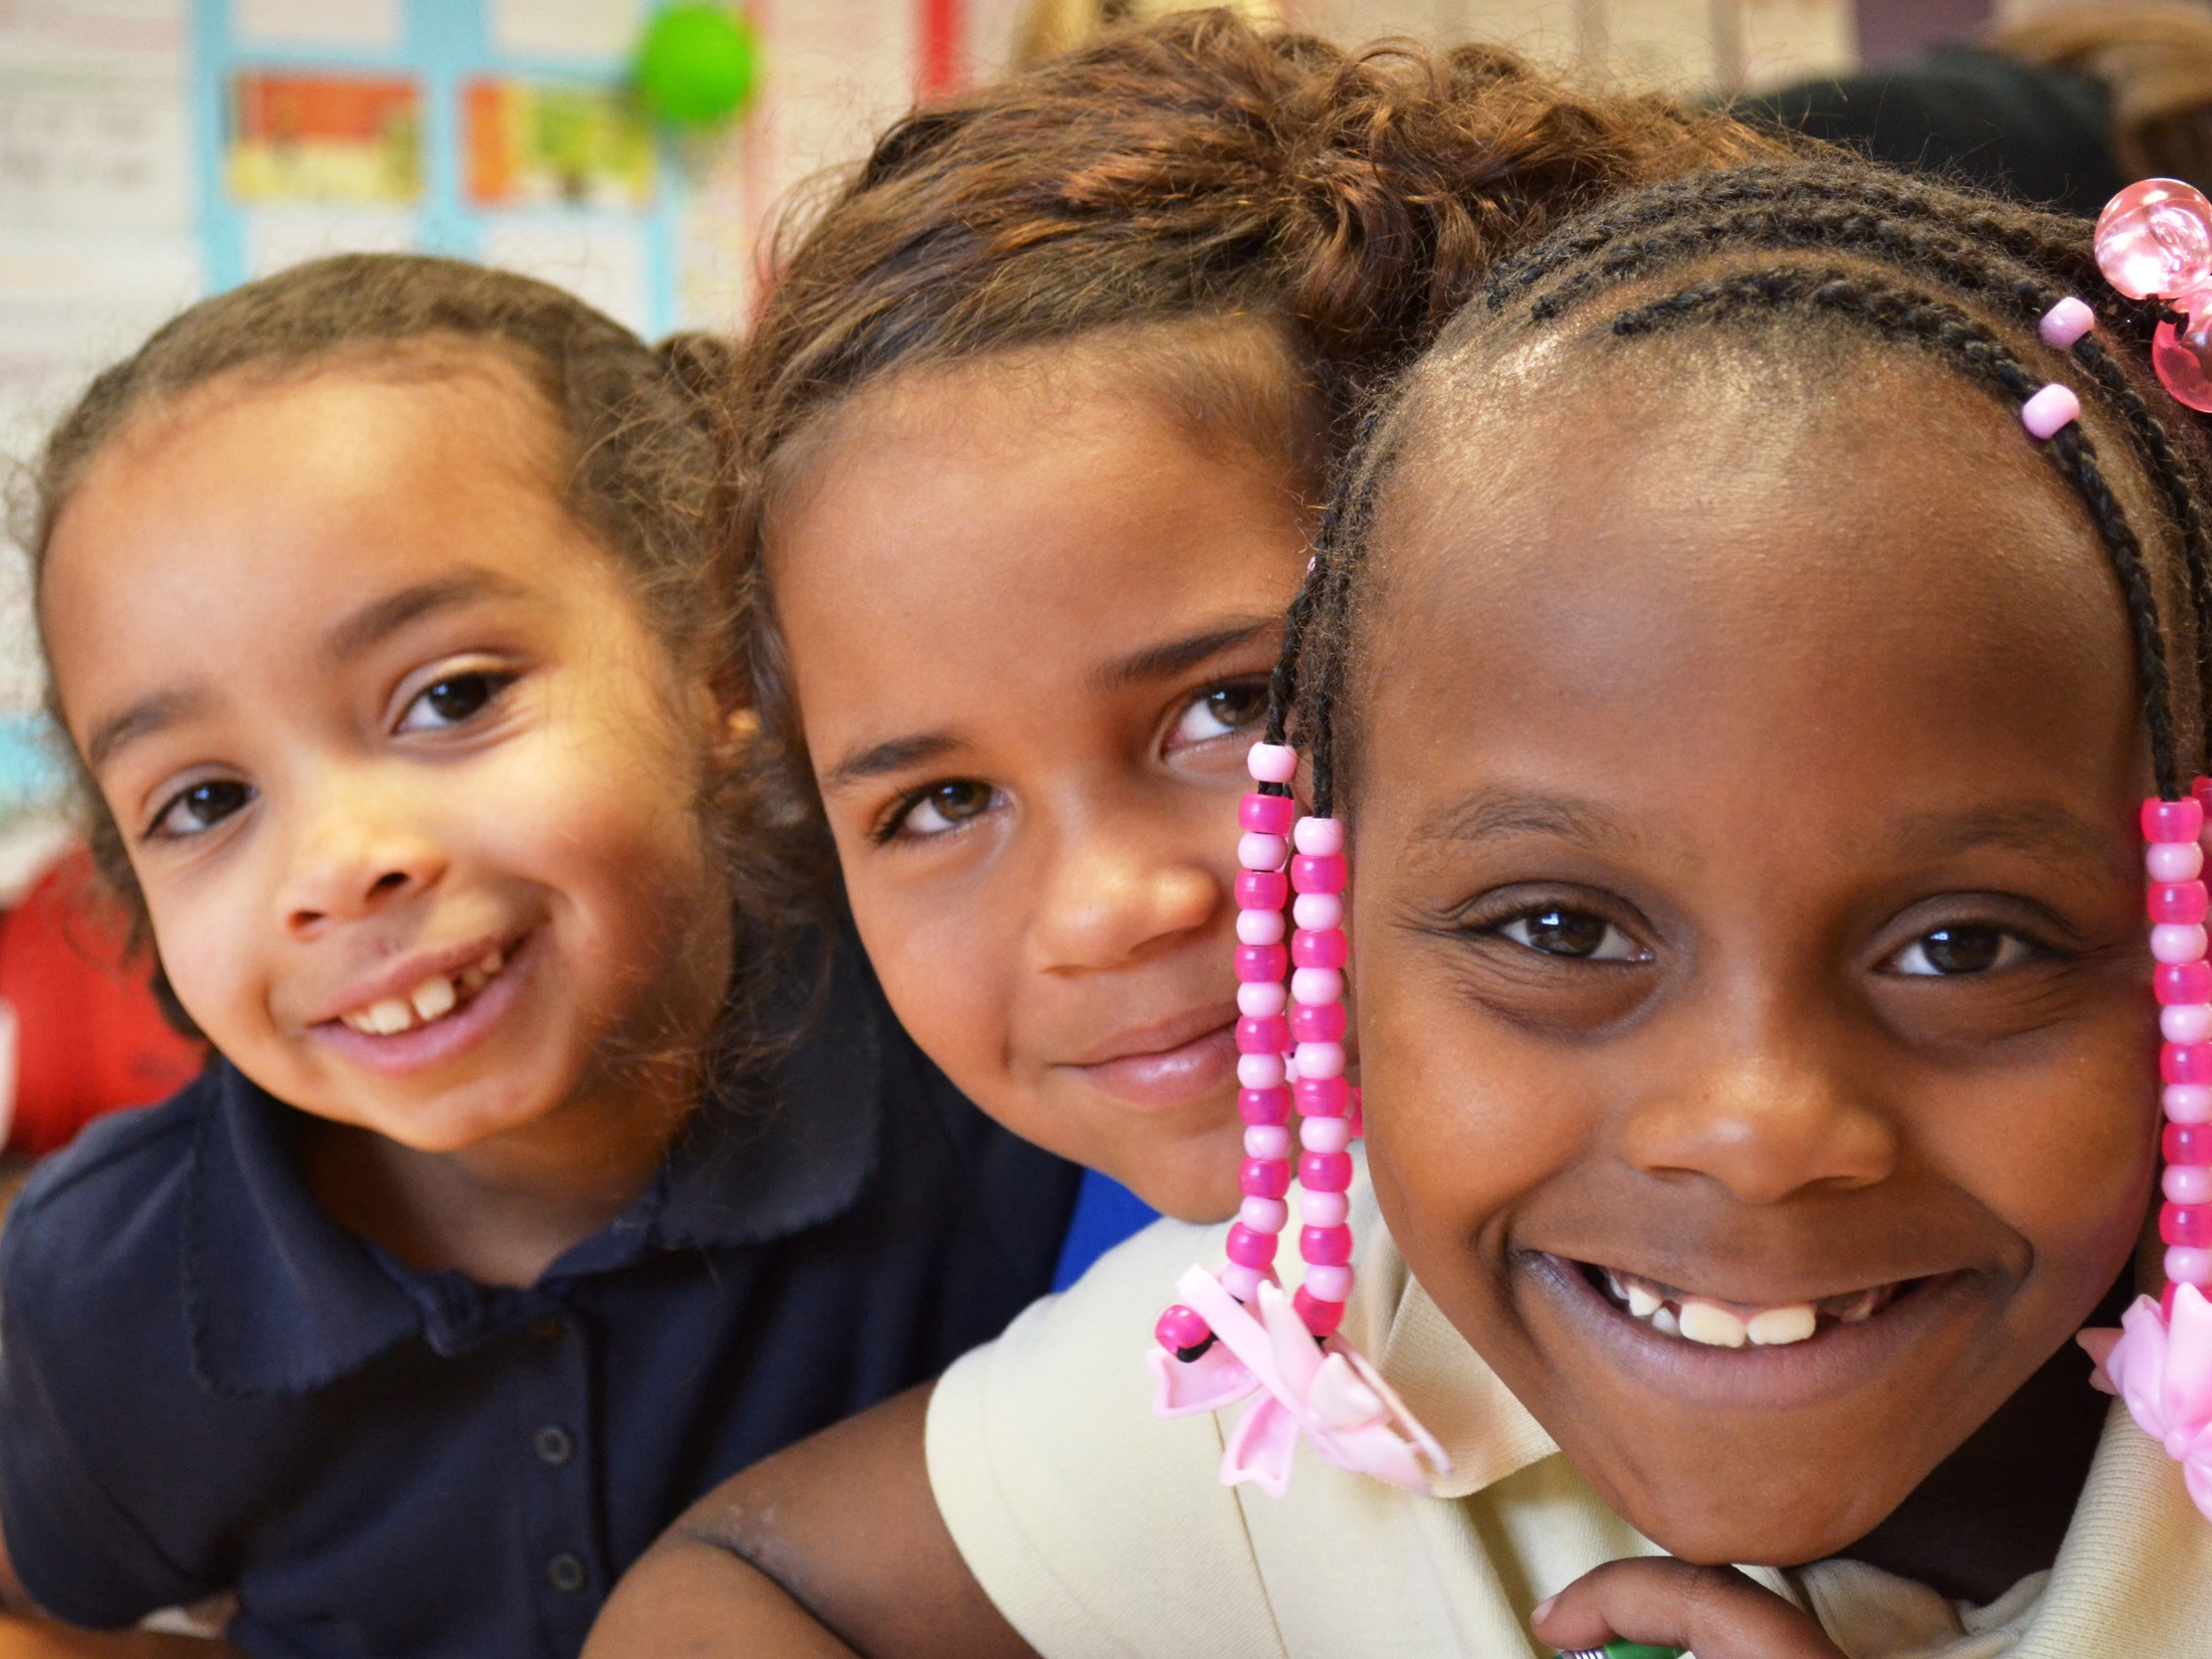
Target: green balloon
point(697, 64)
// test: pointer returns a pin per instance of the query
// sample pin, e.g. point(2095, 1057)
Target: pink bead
point(1262, 852)
point(1324, 1209)
point(2163, 861)
point(1267, 1036)
point(1324, 1171)
point(1319, 837)
point(1317, 911)
point(1321, 1096)
point(1259, 1001)
point(2185, 1022)
point(1317, 1022)
point(1324, 1135)
point(2186, 1144)
point(1316, 986)
point(1249, 1248)
point(2182, 357)
point(2049, 409)
point(1264, 1105)
point(2182, 1184)
point(1264, 1216)
point(1262, 889)
point(1181, 1328)
point(1330, 1284)
point(1325, 949)
point(1264, 1177)
point(2182, 982)
point(2186, 1265)
point(1267, 1140)
point(1259, 962)
point(1319, 1060)
point(1356, 1113)
point(1260, 1071)
point(1240, 1281)
point(2188, 1224)
point(1260, 926)
point(2171, 821)
point(2169, 942)
point(1326, 874)
point(2185, 1062)
point(1326, 1246)
point(2155, 238)
point(2189, 1103)
point(1267, 814)
point(1272, 762)
point(2172, 902)
point(2200, 791)
point(1320, 1318)
point(2066, 322)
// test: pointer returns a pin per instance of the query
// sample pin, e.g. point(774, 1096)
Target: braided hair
point(1829, 247)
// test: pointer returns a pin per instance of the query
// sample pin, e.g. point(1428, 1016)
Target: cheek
point(947, 965)
point(206, 932)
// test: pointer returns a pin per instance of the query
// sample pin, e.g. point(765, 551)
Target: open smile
point(1717, 1323)
point(436, 1016)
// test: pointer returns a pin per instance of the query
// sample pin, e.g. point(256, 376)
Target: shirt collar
point(280, 1300)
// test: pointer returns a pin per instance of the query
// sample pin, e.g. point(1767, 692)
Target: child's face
point(407, 782)
point(1030, 632)
point(1746, 903)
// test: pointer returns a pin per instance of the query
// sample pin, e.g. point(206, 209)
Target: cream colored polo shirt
point(1102, 1533)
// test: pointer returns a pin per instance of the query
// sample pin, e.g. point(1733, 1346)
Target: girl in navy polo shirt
point(374, 598)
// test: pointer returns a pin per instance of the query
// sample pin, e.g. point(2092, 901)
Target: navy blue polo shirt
point(208, 1386)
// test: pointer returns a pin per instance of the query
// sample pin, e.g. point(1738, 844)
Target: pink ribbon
point(1324, 1391)
point(2165, 1376)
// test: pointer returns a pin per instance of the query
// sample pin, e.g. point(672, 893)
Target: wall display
point(533, 144)
point(324, 138)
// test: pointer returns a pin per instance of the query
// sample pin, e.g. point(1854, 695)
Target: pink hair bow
point(2164, 1373)
point(2155, 242)
point(1324, 1391)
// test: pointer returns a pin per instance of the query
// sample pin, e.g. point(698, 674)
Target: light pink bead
point(1242, 1282)
point(1267, 1140)
point(1262, 852)
point(1263, 1000)
point(1330, 1284)
point(2187, 1265)
point(1260, 926)
point(1324, 1135)
point(1272, 762)
point(2188, 1103)
point(1318, 837)
point(2188, 1022)
point(1264, 1216)
point(2185, 1183)
point(2049, 410)
point(1324, 1209)
point(2170, 941)
point(2155, 238)
point(1260, 1071)
point(1320, 1060)
point(2163, 861)
point(1317, 911)
point(1320, 984)
point(2066, 322)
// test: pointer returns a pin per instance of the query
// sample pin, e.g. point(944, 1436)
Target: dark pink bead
point(2181, 902)
point(1324, 1171)
point(1262, 889)
point(1181, 1328)
point(2172, 820)
point(1264, 1177)
point(2189, 1224)
point(1270, 1035)
point(1258, 1107)
point(2186, 1144)
point(2185, 1062)
point(1326, 948)
point(2183, 982)
point(1358, 1113)
point(1320, 1318)
point(1321, 1096)
point(1267, 814)
point(2200, 791)
point(1260, 964)
point(1326, 1246)
point(1250, 1249)
point(1324, 1022)
point(1322, 873)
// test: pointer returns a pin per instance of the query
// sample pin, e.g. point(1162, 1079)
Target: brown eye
point(1948, 952)
point(1221, 711)
point(201, 809)
point(1558, 932)
point(946, 806)
point(451, 701)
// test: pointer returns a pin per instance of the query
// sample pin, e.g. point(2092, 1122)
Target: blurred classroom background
point(152, 152)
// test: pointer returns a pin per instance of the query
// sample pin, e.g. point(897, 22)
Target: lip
point(1169, 1063)
point(1835, 1362)
point(441, 1039)
point(400, 977)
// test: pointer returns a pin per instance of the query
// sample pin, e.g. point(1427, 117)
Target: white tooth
point(1715, 1327)
point(389, 1016)
point(1641, 1303)
point(1664, 1320)
point(358, 1021)
point(1862, 1309)
point(1778, 1326)
point(432, 997)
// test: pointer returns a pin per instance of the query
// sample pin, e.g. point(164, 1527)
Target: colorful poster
point(324, 138)
point(536, 144)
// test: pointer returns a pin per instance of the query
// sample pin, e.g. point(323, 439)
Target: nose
point(1119, 889)
point(360, 848)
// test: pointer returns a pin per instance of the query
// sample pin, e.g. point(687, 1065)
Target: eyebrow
point(1166, 661)
point(1497, 812)
point(142, 719)
point(896, 754)
point(380, 618)
point(2040, 830)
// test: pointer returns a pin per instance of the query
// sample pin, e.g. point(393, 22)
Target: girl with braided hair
point(1731, 673)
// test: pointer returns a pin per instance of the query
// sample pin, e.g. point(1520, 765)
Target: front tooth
point(390, 1016)
point(432, 997)
point(359, 1021)
point(1775, 1327)
point(1715, 1327)
point(1664, 1321)
point(1641, 1303)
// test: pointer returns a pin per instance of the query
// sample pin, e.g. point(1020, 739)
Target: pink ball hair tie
point(2049, 411)
point(2065, 323)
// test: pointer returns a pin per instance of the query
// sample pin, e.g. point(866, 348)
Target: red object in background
point(90, 1037)
point(942, 65)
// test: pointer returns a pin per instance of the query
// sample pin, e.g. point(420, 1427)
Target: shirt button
point(553, 1446)
point(566, 1573)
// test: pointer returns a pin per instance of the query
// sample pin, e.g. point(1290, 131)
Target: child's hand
point(1715, 1611)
